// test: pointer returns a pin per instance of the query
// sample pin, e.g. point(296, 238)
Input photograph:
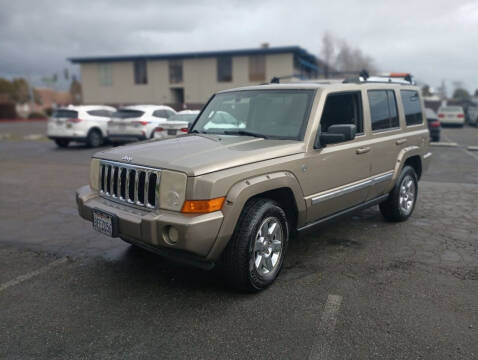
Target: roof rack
point(397, 78)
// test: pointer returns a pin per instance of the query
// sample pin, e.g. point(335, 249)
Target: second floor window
point(140, 72)
point(105, 74)
point(175, 71)
point(224, 68)
point(257, 68)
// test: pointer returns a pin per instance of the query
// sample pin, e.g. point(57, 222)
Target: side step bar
point(338, 215)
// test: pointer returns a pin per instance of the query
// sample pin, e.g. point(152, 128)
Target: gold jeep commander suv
point(259, 165)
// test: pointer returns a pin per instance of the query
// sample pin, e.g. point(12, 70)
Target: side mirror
point(336, 134)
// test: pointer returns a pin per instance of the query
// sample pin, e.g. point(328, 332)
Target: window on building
point(383, 109)
point(412, 107)
point(140, 72)
point(257, 68)
point(224, 68)
point(105, 74)
point(175, 71)
point(343, 108)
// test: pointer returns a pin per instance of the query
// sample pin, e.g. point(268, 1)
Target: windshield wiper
point(245, 133)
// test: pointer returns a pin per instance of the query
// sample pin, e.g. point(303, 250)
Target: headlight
point(95, 174)
point(172, 190)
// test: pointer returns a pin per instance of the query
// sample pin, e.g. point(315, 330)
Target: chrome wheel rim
point(268, 246)
point(408, 191)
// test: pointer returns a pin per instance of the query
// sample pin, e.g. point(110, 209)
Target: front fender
point(242, 191)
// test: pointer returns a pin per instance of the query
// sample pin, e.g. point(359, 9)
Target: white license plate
point(103, 223)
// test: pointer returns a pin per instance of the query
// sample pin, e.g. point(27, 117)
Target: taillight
point(184, 130)
point(74, 120)
point(138, 123)
point(158, 129)
point(435, 124)
point(441, 115)
point(460, 116)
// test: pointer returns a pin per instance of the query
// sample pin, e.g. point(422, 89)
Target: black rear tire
point(62, 143)
point(238, 259)
point(94, 138)
point(391, 208)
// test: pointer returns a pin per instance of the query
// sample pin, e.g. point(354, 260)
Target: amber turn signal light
point(203, 206)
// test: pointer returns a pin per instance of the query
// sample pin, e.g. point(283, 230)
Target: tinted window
point(103, 113)
point(224, 68)
point(383, 109)
point(140, 72)
point(105, 74)
point(63, 113)
point(411, 106)
point(162, 114)
point(344, 108)
point(280, 114)
point(127, 114)
point(175, 71)
point(257, 68)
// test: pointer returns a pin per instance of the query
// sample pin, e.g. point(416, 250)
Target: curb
point(21, 120)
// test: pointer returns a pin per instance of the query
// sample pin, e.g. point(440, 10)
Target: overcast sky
point(433, 39)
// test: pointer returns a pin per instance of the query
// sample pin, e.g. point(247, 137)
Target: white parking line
point(464, 150)
point(32, 274)
point(321, 348)
point(444, 144)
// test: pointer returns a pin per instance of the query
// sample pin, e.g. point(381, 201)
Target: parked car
point(434, 125)
point(451, 115)
point(138, 122)
point(85, 123)
point(472, 115)
point(177, 124)
point(299, 156)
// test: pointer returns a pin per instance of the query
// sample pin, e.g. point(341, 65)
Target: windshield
point(280, 114)
point(127, 114)
point(183, 117)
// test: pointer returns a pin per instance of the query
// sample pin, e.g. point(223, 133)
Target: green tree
point(426, 90)
point(461, 94)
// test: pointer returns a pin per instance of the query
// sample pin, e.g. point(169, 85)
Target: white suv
point(85, 123)
point(137, 122)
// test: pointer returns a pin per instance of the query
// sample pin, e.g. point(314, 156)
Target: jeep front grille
point(131, 184)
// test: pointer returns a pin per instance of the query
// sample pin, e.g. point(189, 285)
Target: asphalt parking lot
point(361, 288)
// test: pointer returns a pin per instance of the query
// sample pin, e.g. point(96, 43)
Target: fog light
point(171, 235)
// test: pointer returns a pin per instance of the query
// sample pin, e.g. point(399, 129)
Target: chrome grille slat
point(115, 176)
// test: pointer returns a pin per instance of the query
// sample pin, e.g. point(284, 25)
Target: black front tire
point(94, 138)
point(391, 208)
point(62, 143)
point(238, 258)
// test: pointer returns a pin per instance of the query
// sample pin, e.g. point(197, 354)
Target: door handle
point(362, 150)
point(401, 141)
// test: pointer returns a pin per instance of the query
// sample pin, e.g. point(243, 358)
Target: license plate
point(171, 132)
point(104, 223)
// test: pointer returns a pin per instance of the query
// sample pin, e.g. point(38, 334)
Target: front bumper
point(197, 233)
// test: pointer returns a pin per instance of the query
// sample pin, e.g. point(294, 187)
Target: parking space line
point(466, 151)
point(27, 276)
point(321, 348)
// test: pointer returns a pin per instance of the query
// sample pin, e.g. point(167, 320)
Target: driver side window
point(343, 108)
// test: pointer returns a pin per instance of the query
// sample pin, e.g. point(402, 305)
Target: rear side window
point(62, 113)
point(383, 109)
point(162, 114)
point(127, 114)
point(342, 108)
point(412, 107)
point(102, 113)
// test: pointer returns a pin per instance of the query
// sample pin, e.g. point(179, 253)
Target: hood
point(201, 154)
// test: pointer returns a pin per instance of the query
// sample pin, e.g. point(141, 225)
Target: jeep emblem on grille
point(127, 158)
